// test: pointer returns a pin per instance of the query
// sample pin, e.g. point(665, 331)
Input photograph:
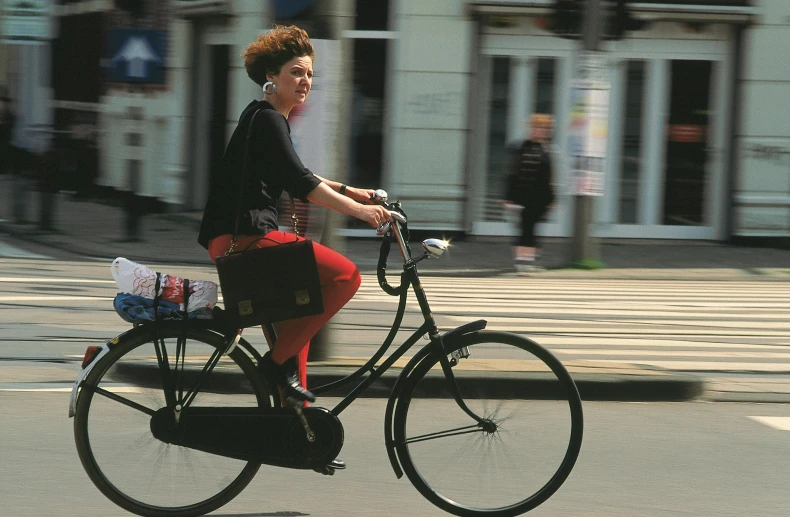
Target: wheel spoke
point(138, 471)
point(521, 451)
point(443, 434)
point(117, 398)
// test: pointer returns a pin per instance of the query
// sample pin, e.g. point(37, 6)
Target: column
point(651, 189)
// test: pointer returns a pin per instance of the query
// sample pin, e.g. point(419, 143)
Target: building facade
point(698, 126)
point(439, 91)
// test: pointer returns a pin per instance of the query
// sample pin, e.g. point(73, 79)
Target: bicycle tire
point(116, 446)
point(462, 468)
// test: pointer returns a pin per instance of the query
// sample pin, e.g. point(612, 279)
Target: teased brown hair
point(271, 50)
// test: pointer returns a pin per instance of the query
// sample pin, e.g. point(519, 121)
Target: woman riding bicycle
point(281, 63)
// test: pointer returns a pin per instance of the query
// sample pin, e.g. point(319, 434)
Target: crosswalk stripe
point(780, 423)
point(52, 280)
point(678, 325)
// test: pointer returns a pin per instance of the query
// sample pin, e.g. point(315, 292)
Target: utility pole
point(339, 15)
point(585, 250)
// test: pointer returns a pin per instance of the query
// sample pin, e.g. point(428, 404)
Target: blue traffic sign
point(136, 56)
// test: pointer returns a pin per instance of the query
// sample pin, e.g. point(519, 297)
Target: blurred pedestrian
point(529, 188)
point(7, 120)
point(281, 63)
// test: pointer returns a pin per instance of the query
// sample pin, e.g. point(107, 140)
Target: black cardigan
point(273, 166)
point(530, 182)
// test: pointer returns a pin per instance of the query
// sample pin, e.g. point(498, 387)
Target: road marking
point(780, 423)
point(6, 250)
point(723, 354)
point(52, 280)
point(44, 388)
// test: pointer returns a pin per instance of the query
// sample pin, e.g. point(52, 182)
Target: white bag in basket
point(134, 278)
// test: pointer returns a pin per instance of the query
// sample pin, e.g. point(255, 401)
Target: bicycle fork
point(447, 363)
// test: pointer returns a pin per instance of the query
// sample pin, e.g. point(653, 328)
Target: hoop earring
point(274, 88)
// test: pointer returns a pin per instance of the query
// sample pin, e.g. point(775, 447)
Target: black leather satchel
point(266, 285)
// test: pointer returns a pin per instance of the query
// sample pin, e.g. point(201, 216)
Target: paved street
point(710, 312)
point(638, 460)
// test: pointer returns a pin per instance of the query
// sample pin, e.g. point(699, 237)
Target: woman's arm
point(357, 194)
point(334, 185)
point(324, 195)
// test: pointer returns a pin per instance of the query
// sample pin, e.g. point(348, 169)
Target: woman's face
point(294, 81)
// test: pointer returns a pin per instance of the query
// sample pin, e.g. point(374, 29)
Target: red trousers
point(339, 278)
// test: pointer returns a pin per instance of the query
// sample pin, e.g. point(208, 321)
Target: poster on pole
point(588, 136)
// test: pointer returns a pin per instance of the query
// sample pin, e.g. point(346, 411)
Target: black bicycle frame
point(409, 278)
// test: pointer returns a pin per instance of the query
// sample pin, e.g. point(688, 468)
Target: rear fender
point(75, 389)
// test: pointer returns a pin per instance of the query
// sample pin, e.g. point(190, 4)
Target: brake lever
point(383, 228)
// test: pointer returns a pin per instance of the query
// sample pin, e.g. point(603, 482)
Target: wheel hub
point(164, 426)
point(489, 426)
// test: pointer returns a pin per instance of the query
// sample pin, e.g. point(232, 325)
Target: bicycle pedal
point(325, 470)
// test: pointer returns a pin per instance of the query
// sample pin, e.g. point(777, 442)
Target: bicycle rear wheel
point(112, 424)
point(519, 456)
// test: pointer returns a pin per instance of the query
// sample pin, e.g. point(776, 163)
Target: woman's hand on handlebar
point(374, 215)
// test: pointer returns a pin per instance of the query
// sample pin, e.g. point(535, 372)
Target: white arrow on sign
point(136, 52)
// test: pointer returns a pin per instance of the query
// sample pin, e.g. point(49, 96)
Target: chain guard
point(272, 436)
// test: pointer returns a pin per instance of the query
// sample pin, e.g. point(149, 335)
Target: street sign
point(26, 21)
point(136, 56)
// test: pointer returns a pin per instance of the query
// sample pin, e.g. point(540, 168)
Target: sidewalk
point(92, 229)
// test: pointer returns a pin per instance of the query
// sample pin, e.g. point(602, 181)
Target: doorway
point(686, 142)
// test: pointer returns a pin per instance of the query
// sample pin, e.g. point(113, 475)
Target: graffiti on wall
point(774, 154)
point(446, 103)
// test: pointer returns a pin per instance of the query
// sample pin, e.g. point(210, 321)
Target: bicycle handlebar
point(397, 227)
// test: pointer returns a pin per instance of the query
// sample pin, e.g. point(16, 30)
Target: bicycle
point(185, 436)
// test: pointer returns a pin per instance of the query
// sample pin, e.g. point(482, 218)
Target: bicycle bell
point(380, 195)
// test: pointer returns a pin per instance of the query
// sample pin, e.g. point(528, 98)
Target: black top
point(273, 166)
point(529, 183)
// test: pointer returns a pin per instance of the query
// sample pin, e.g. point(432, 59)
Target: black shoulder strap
point(243, 178)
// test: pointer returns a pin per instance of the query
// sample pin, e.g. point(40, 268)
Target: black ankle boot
point(286, 377)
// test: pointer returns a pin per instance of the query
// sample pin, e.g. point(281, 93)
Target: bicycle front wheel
point(112, 424)
point(526, 445)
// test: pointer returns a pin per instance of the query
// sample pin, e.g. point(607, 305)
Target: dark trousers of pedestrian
point(530, 217)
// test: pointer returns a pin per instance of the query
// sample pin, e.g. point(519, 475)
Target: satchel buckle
point(302, 297)
point(245, 307)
